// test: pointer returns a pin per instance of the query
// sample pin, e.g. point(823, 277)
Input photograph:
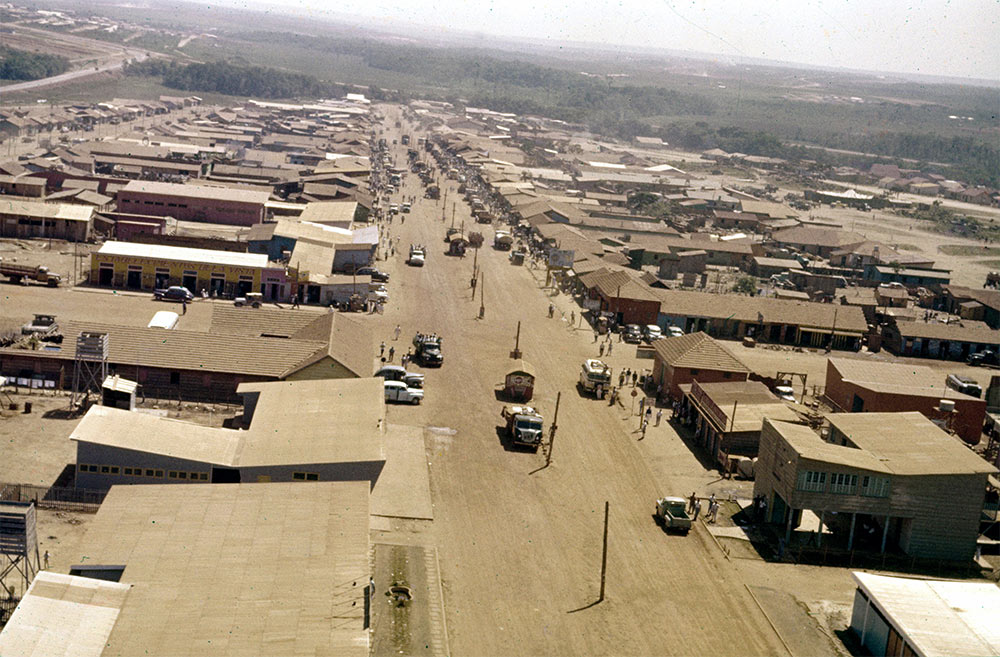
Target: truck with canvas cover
point(524, 426)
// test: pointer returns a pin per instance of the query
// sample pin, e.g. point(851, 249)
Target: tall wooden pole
point(552, 430)
point(604, 554)
point(517, 343)
point(482, 296)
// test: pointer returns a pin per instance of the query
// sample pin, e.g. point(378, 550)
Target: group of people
point(695, 505)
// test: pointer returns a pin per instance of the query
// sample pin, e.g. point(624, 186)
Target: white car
point(399, 373)
point(785, 392)
point(398, 391)
point(416, 260)
point(652, 332)
point(674, 331)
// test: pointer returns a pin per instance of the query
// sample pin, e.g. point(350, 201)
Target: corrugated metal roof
point(938, 618)
point(189, 350)
point(64, 211)
point(197, 191)
point(63, 615)
point(183, 254)
point(276, 569)
point(698, 351)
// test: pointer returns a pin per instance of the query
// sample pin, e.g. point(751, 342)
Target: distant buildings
point(219, 205)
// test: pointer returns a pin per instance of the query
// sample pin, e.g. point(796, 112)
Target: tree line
point(24, 65)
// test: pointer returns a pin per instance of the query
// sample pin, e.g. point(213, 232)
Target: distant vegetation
point(762, 115)
point(23, 65)
point(231, 79)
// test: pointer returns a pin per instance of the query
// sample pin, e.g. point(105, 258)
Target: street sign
point(634, 392)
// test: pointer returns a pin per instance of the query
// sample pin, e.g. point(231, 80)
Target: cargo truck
point(524, 426)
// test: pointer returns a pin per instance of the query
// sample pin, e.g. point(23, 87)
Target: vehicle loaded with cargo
point(524, 426)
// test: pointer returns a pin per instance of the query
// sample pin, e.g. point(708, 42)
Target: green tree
point(745, 285)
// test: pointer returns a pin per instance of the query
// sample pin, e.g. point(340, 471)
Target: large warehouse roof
point(237, 569)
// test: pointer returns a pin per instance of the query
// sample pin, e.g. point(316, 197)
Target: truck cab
point(524, 425)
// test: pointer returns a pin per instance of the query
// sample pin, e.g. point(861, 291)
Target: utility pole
point(604, 553)
point(517, 345)
point(552, 428)
point(482, 296)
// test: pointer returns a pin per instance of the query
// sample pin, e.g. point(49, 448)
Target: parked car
point(651, 332)
point(632, 333)
point(965, 385)
point(398, 391)
point(786, 393)
point(399, 373)
point(376, 275)
point(987, 357)
point(406, 207)
point(173, 293)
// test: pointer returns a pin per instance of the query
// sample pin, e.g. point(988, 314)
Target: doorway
point(225, 476)
point(190, 281)
point(106, 276)
point(134, 280)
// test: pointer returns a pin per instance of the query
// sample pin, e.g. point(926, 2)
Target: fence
point(53, 497)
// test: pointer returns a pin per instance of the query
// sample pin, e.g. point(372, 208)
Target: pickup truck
point(671, 512)
point(41, 325)
point(987, 358)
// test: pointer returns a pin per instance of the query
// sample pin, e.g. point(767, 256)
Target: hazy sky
point(938, 37)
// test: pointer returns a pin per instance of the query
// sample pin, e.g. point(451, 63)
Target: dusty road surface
point(520, 548)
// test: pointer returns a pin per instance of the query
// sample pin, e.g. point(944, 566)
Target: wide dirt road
point(520, 550)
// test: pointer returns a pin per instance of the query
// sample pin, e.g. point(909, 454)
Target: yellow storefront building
point(134, 266)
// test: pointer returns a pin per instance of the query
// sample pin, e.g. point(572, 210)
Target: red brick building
point(857, 386)
point(693, 357)
point(216, 205)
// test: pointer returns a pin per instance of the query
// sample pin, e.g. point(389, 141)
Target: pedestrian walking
point(621, 379)
point(184, 306)
point(635, 378)
point(596, 335)
point(713, 511)
point(396, 331)
point(642, 405)
point(381, 349)
point(697, 509)
point(572, 318)
point(644, 423)
point(600, 350)
point(295, 300)
point(659, 415)
point(711, 499)
point(649, 413)
point(552, 310)
point(392, 352)
point(691, 502)
point(609, 346)
point(45, 559)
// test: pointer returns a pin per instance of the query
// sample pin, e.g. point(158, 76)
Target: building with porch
point(148, 267)
point(727, 417)
point(63, 221)
point(778, 321)
point(880, 481)
point(953, 341)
